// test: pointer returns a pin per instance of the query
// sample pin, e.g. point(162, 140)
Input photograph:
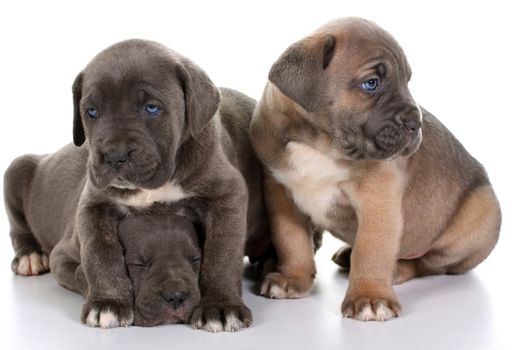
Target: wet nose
point(116, 159)
point(175, 297)
point(411, 125)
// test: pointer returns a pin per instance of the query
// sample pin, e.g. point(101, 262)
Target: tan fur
point(296, 269)
point(423, 207)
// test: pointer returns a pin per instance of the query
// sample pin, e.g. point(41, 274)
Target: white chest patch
point(169, 192)
point(313, 179)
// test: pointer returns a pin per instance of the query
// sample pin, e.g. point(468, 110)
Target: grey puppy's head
point(352, 77)
point(162, 254)
point(135, 103)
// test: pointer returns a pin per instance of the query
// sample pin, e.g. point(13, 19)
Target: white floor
point(466, 59)
point(480, 310)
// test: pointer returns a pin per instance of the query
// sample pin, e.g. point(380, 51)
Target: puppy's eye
point(142, 265)
point(152, 110)
point(370, 85)
point(92, 112)
point(195, 259)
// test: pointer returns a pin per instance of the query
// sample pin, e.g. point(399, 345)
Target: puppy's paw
point(342, 257)
point(107, 314)
point(363, 308)
point(278, 286)
point(30, 264)
point(218, 318)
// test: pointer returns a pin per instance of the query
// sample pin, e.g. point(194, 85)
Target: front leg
point(378, 200)
point(292, 238)
point(109, 297)
point(221, 307)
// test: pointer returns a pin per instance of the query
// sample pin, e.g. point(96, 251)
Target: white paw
point(213, 326)
point(278, 286)
point(232, 323)
point(32, 264)
point(214, 319)
point(363, 309)
point(107, 319)
point(382, 313)
point(277, 292)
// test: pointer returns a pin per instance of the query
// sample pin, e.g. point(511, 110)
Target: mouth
point(161, 313)
point(387, 143)
point(387, 140)
point(126, 178)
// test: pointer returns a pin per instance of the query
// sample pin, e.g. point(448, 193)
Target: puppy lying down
point(162, 254)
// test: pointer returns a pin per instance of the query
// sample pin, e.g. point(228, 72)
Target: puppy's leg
point(109, 298)
point(317, 238)
point(67, 269)
point(405, 270)
point(468, 240)
point(29, 258)
point(342, 257)
point(291, 236)
point(221, 306)
point(378, 199)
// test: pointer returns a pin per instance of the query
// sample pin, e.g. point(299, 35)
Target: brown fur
point(371, 167)
point(294, 236)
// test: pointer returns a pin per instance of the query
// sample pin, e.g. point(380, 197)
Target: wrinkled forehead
point(129, 65)
point(363, 44)
point(134, 81)
point(141, 233)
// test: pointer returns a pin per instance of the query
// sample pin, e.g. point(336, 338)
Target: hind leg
point(468, 240)
point(29, 258)
point(342, 257)
point(65, 266)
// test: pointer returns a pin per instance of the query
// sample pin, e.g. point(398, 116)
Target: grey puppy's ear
point(78, 130)
point(298, 72)
point(201, 95)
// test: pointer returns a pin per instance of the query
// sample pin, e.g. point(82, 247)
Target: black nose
point(175, 298)
point(116, 159)
point(412, 125)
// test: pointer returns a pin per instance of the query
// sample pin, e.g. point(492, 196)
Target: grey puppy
point(149, 133)
point(162, 255)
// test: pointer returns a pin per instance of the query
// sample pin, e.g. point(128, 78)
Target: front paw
point(278, 286)
point(364, 307)
point(107, 314)
point(218, 317)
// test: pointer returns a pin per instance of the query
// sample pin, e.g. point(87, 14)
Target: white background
point(467, 60)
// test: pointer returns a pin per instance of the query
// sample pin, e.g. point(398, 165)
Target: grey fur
point(70, 203)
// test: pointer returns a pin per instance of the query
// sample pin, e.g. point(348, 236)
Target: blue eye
point(370, 85)
point(152, 110)
point(92, 112)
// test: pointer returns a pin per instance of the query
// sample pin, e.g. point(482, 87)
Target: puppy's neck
point(143, 198)
point(296, 118)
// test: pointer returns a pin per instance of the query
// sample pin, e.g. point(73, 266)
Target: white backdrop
point(467, 59)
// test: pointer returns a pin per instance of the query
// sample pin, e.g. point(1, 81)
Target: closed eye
point(195, 259)
point(141, 265)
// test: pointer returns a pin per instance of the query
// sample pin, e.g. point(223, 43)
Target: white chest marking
point(313, 179)
point(169, 192)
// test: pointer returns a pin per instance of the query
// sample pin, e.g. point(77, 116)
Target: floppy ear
point(201, 95)
point(298, 72)
point(78, 130)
